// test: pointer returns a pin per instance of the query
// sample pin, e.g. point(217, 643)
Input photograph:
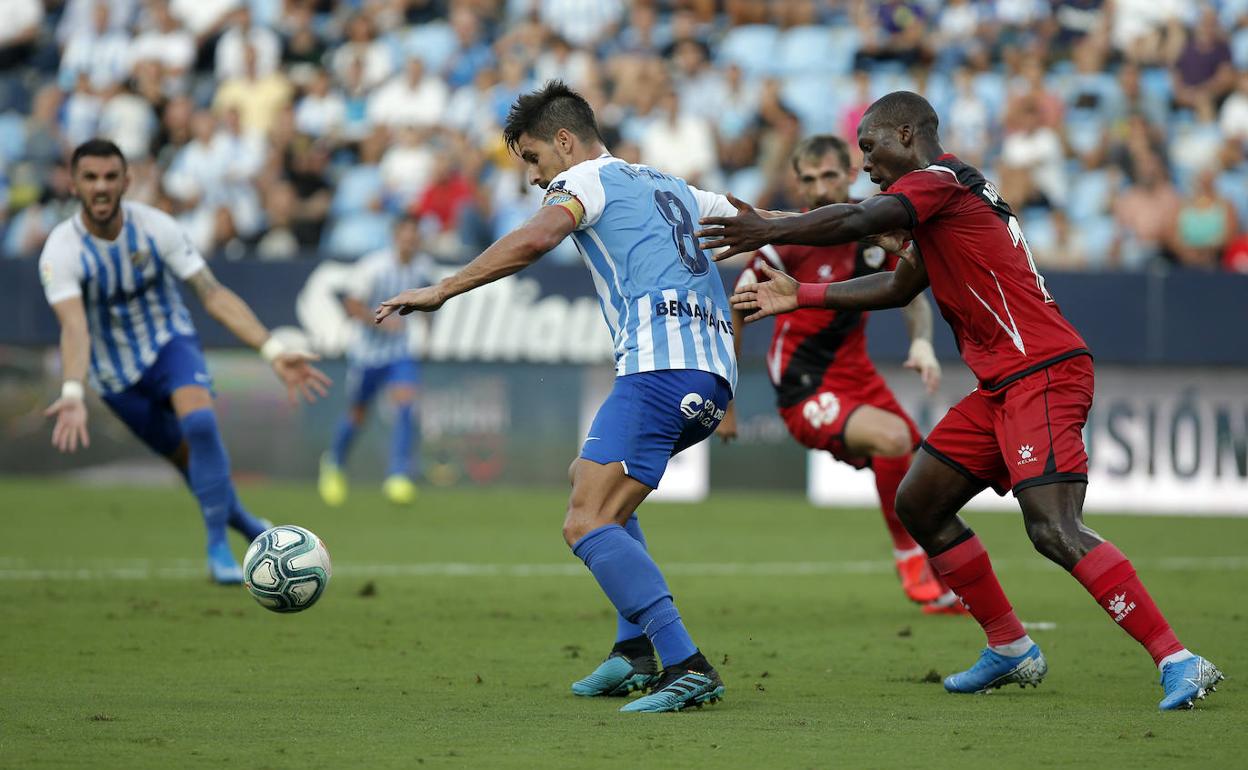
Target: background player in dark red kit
point(1020, 429)
point(827, 390)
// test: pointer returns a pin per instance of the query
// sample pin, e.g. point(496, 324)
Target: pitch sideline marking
point(17, 569)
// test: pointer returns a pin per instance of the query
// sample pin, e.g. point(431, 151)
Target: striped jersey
point(376, 277)
point(128, 289)
point(660, 294)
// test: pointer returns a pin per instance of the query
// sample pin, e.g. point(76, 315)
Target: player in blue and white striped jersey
point(110, 274)
point(668, 315)
point(381, 357)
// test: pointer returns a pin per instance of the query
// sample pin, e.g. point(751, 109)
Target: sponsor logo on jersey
point(1026, 454)
point(821, 410)
point(824, 272)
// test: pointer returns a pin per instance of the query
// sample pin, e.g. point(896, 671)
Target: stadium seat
point(433, 42)
point(1155, 83)
point(752, 47)
point(746, 184)
point(1239, 48)
point(1097, 237)
point(1089, 198)
point(358, 187)
point(885, 80)
point(12, 137)
point(818, 100)
point(357, 234)
point(804, 50)
point(990, 87)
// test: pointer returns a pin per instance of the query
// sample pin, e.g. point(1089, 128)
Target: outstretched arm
point(922, 357)
point(510, 254)
point(824, 226)
point(783, 294)
point(229, 309)
point(70, 411)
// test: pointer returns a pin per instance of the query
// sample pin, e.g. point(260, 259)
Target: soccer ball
point(286, 568)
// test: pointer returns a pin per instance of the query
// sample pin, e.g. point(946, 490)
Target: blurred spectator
point(362, 47)
point(255, 96)
point(165, 43)
point(407, 166)
point(1144, 213)
point(967, 132)
point(302, 49)
point(411, 98)
point(472, 53)
point(560, 61)
point(679, 142)
point(100, 52)
point(1033, 163)
point(1233, 119)
point(1202, 73)
point(306, 174)
point(583, 23)
point(1060, 247)
point(279, 240)
point(890, 31)
point(128, 119)
point(241, 34)
point(447, 195)
point(19, 32)
point(1203, 225)
point(44, 144)
point(321, 112)
point(204, 19)
point(80, 114)
point(78, 17)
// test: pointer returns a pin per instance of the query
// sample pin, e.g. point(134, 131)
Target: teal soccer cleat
point(679, 689)
point(1186, 681)
point(619, 675)
point(993, 670)
point(223, 566)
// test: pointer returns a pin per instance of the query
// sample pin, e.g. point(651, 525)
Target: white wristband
point(272, 348)
point(72, 389)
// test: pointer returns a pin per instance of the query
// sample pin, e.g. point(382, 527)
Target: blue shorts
point(365, 382)
point(145, 407)
point(651, 416)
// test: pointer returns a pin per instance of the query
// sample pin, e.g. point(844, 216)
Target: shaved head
point(901, 108)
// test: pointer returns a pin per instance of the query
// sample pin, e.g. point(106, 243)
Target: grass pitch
point(451, 630)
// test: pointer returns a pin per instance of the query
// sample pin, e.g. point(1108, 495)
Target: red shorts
point(819, 421)
point(1027, 434)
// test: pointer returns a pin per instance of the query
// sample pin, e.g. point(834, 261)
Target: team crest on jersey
point(140, 257)
point(45, 274)
point(825, 272)
point(873, 256)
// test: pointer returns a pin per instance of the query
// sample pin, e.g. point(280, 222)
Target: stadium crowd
point(281, 129)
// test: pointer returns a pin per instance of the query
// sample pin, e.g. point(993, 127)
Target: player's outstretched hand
point(426, 299)
point(70, 429)
point(300, 377)
point(772, 297)
point(727, 429)
point(745, 232)
point(922, 359)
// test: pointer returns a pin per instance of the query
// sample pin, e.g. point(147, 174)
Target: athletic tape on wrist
point(72, 389)
point(271, 349)
point(810, 294)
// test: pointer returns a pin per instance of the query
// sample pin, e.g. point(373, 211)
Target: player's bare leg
point(928, 502)
point(602, 500)
point(1053, 514)
point(885, 438)
point(398, 486)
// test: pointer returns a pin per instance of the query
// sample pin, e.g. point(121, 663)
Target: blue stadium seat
point(746, 184)
point(1155, 83)
point(990, 88)
point(804, 50)
point(1096, 235)
point(818, 100)
point(433, 42)
point(885, 80)
point(357, 234)
point(357, 188)
point(12, 137)
point(751, 47)
point(1234, 186)
point(1239, 48)
point(1090, 195)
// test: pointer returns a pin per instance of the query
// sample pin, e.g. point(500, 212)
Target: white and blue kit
point(143, 344)
point(379, 355)
point(664, 303)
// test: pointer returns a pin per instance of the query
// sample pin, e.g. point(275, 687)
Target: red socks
point(1111, 580)
point(888, 474)
point(968, 571)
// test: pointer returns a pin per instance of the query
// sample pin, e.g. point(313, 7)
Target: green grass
point(827, 669)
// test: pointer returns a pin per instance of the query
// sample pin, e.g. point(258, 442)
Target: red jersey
point(811, 347)
point(982, 274)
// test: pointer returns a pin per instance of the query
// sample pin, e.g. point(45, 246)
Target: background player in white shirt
point(382, 357)
point(109, 274)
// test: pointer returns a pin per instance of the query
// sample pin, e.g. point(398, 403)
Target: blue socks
point(243, 522)
point(344, 435)
point(405, 431)
point(209, 472)
point(624, 628)
point(633, 583)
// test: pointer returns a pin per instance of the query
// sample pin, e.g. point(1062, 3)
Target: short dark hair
point(814, 148)
point(543, 112)
point(905, 107)
point(95, 148)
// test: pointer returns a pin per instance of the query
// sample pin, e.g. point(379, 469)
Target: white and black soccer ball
point(286, 568)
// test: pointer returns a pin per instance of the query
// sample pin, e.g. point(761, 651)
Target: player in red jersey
point(827, 390)
point(1020, 429)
